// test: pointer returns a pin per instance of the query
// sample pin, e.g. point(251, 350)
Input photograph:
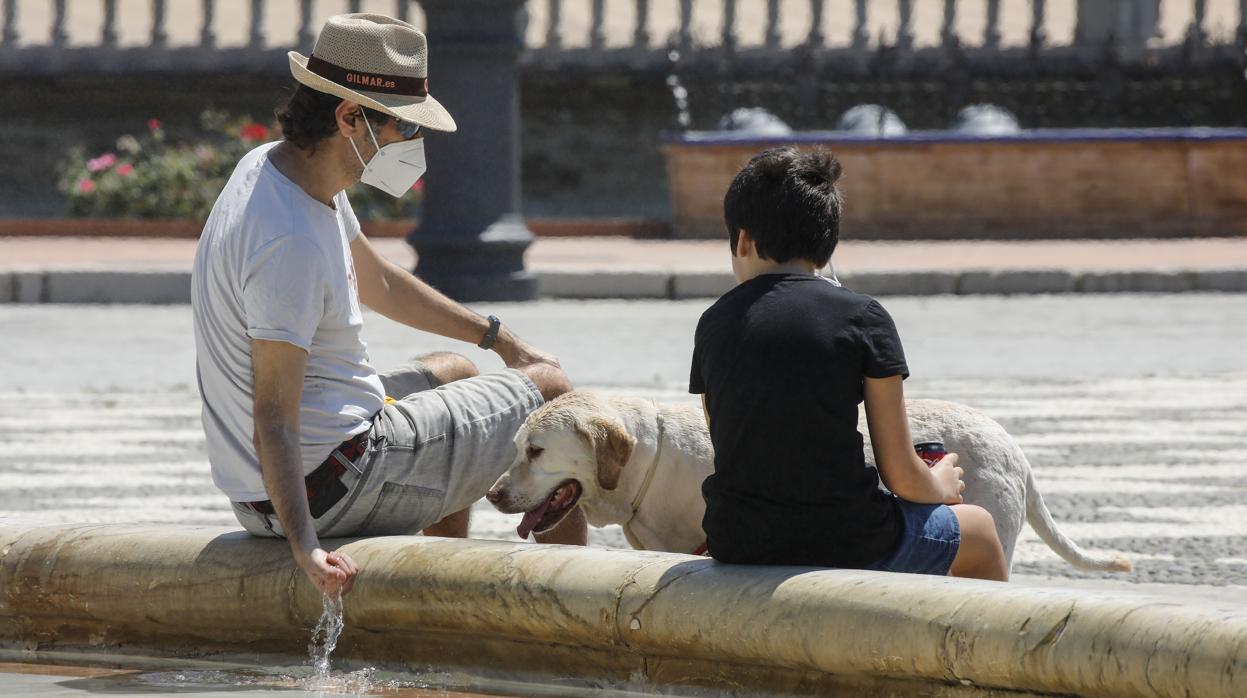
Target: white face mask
point(396, 167)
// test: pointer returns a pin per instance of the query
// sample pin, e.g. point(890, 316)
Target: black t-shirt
point(781, 360)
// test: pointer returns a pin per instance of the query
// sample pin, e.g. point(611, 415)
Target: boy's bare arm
point(901, 469)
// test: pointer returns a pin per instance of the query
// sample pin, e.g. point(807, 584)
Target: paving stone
point(29, 287)
point(118, 287)
point(1227, 280)
point(1136, 282)
point(1015, 281)
point(902, 283)
point(604, 284)
point(701, 284)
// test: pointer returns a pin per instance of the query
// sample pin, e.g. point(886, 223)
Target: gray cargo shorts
point(432, 452)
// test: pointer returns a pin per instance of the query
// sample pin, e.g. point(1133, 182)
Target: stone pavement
point(136, 270)
point(1131, 408)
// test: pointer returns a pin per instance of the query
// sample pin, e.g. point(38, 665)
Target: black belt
point(324, 484)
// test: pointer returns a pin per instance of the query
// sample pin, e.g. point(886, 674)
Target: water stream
point(679, 93)
point(325, 635)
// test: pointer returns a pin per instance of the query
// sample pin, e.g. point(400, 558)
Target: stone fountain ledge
point(604, 617)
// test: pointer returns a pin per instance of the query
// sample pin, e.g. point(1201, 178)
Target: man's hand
point(331, 573)
point(948, 474)
point(516, 353)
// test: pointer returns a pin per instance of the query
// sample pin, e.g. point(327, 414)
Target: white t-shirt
point(275, 264)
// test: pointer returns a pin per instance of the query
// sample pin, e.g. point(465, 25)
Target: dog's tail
point(1040, 519)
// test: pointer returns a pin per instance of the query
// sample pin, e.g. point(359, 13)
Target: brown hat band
point(369, 82)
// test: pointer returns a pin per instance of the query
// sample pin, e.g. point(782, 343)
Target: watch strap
point(491, 334)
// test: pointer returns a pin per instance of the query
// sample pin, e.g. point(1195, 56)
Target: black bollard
point(1128, 24)
point(471, 239)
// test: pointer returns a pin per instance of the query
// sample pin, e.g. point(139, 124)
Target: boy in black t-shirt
point(782, 362)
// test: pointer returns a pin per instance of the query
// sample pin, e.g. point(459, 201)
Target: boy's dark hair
point(309, 117)
point(789, 203)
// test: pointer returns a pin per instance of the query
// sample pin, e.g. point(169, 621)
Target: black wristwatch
point(491, 334)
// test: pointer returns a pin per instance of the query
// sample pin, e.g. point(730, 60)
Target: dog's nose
point(493, 495)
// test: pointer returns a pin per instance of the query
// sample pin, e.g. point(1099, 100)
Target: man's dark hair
point(789, 203)
point(309, 117)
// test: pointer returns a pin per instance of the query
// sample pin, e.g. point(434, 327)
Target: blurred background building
point(606, 82)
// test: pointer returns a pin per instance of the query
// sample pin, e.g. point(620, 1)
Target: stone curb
point(173, 286)
point(654, 619)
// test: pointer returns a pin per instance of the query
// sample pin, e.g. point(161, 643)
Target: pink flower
point(125, 169)
point(154, 124)
point(418, 186)
point(102, 163)
point(86, 186)
point(254, 132)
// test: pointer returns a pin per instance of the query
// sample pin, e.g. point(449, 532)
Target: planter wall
point(1133, 183)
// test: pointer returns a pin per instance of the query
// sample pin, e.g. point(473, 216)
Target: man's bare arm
point(397, 294)
point(900, 468)
point(277, 375)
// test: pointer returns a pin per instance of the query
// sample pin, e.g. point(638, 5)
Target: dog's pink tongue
point(531, 519)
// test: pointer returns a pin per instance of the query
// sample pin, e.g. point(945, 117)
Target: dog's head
point(567, 451)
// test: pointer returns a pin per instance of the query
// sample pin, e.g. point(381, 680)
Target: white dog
point(640, 464)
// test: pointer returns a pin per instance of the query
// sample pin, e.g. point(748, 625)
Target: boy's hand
point(948, 474)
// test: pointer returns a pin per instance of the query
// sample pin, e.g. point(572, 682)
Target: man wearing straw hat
point(304, 436)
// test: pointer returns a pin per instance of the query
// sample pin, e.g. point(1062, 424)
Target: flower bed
point(151, 176)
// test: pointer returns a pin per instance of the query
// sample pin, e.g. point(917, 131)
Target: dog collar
point(640, 495)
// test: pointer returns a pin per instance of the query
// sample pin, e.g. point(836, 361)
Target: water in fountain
point(754, 121)
point(679, 93)
point(986, 120)
point(872, 120)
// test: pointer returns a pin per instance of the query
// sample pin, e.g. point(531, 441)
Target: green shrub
point(149, 177)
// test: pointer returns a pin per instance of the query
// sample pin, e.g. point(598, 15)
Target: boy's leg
point(980, 556)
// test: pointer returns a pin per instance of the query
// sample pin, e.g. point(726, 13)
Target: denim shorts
point(432, 452)
point(930, 537)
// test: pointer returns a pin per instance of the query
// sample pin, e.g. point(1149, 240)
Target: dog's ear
point(612, 445)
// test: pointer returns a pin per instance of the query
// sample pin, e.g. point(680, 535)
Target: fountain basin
point(1052, 183)
point(597, 618)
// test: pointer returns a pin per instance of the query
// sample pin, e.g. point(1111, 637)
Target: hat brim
point(426, 111)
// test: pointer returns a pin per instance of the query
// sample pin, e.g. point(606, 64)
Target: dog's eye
point(533, 452)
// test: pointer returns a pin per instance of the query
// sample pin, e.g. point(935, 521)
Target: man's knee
point(549, 379)
point(448, 367)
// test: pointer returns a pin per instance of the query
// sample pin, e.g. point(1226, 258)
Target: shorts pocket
point(402, 510)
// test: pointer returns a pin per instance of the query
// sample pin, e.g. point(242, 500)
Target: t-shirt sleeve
point(696, 381)
point(283, 291)
point(883, 355)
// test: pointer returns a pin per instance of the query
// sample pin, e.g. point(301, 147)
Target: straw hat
point(375, 61)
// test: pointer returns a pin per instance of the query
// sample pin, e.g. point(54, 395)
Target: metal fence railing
point(49, 36)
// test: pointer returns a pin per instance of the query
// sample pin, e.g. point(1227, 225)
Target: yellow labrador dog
point(640, 464)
